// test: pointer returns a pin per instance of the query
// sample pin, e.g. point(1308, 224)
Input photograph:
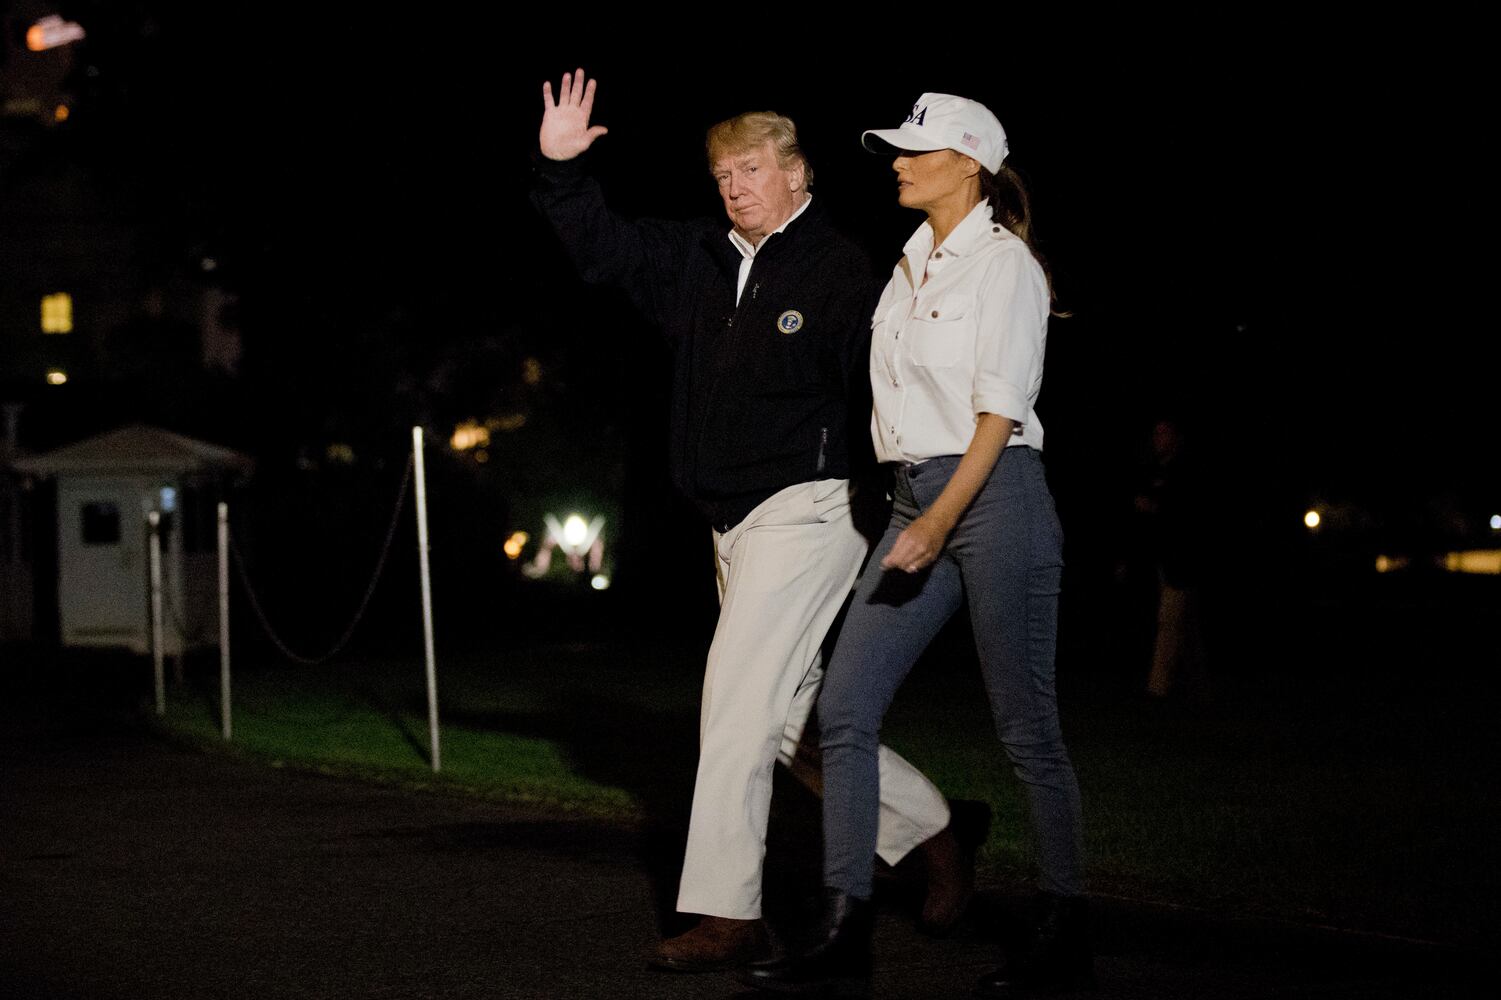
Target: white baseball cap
point(943, 121)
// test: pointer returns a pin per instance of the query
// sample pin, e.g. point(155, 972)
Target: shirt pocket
point(882, 356)
point(941, 332)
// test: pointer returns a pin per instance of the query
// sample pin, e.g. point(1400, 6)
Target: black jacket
point(765, 395)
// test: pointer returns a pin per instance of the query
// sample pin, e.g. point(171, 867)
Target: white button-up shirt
point(966, 341)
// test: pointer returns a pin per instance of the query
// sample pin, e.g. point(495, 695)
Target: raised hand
point(566, 131)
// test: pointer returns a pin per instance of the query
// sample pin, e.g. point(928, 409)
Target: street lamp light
point(51, 32)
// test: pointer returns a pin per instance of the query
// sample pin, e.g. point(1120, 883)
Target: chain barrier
point(343, 640)
point(243, 708)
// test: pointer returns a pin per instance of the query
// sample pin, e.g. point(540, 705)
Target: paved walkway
point(133, 869)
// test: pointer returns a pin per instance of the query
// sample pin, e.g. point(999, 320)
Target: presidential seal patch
point(790, 321)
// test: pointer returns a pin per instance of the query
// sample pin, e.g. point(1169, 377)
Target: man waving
point(768, 325)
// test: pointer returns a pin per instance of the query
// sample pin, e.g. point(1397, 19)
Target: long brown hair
point(1011, 206)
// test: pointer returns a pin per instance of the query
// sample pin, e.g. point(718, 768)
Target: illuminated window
point(57, 313)
point(52, 31)
point(469, 435)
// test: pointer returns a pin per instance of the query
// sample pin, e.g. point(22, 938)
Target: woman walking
point(956, 365)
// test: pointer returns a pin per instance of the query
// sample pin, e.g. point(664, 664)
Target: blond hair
point(753, 129)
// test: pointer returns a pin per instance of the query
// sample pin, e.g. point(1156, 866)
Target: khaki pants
point(784, 573)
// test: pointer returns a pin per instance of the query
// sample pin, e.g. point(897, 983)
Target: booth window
point(101, 524)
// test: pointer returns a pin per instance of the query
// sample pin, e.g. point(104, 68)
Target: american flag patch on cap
point(972, 141)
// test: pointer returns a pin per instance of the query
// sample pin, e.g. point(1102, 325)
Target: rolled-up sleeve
point(1013, 316)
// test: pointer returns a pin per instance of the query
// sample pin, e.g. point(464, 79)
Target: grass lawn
point(1362, 801)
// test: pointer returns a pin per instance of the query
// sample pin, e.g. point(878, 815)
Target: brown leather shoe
point(716, 944)
point(949, 861)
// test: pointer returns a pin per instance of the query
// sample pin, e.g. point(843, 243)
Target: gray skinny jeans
point(1005, 557)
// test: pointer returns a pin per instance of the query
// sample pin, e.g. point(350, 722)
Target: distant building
point(106, 487)
point(16, 587)
point(97, 287)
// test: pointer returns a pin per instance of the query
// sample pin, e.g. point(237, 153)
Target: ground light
point(600, 582)
point(1496, 522)
point(1483, 562)
point(580, 541)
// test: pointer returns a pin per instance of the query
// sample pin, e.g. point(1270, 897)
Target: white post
point(224, 618)
point(427, 596)
point(155, 519)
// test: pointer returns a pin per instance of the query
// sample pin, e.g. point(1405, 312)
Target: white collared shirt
point(967, 341)
point(748, 249)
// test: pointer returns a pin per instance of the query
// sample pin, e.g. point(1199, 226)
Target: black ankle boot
point(1056, 955)
point(838, 952)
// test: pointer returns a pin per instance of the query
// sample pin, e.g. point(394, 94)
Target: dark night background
point(300, 230)
point(1268, 232)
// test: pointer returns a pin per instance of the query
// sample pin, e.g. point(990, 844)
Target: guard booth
point(106, 487)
